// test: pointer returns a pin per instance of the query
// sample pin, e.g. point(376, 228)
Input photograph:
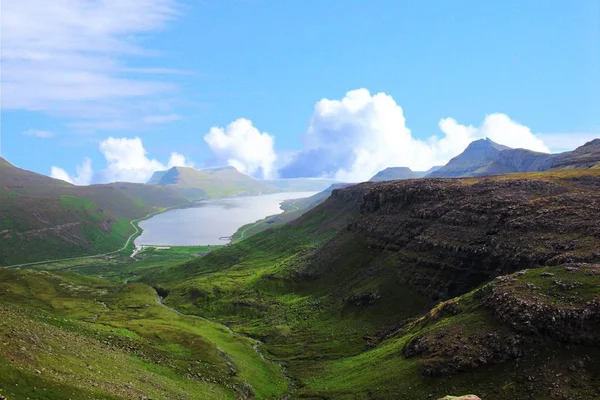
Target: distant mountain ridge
point(211, 182)
point(399, 173)
point(486, 157)
point(583, 157)
point(228, 182)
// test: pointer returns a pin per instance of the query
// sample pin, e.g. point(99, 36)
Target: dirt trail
point(255, 346)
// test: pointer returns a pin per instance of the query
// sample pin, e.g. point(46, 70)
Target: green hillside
point(342, 303)
point(398, 290)
point(44, 218)
point(65, 336)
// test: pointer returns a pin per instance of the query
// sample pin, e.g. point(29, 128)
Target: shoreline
point(239, 233)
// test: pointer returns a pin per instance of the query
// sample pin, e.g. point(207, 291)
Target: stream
point(255, 346)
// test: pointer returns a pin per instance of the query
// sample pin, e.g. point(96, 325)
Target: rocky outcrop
point(447, 354)
point(532, 312)
point(445, 237)
point(467, 397)
point(518, 315)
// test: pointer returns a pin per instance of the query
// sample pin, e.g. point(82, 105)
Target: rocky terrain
point(448, 236)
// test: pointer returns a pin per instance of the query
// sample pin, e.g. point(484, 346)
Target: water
point(205, 223)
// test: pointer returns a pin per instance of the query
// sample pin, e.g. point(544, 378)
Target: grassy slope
point(60, 228)
point(67, 335)
point(44, 218)
point(119, 268)
point(313, 315)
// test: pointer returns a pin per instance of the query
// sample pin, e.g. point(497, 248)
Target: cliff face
point(445, 237)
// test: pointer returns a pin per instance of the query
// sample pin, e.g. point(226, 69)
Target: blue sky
point(76, 73)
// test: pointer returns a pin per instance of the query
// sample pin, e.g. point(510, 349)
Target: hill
point(42, 218)
point(210, 183)
point(485, 157)
point(397, 173)
point(389, 290)
point(67, 336)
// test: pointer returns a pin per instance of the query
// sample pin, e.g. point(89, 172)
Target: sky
point(97, 91)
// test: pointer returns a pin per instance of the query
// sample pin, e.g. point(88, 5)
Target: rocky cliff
point(445, 237)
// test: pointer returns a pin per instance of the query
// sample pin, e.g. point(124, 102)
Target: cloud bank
point(353, 138)
point(126, 161)
point(350, 140)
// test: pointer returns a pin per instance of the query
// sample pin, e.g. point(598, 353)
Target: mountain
point(210, 183)
point(409, 289)
point(398, 173)
point(42, 217)
point(485, 157)
point(419, 288)
point(586, 156)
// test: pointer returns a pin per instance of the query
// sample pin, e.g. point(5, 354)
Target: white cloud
point(84, 173)
point(39, 134)
point(59, 173)
point(243, 146)
point(67, 56)
point(353, 138)
point(179, 160)
point(126, 161)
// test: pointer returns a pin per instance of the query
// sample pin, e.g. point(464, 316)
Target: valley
point(404, 289)
point(277, 200)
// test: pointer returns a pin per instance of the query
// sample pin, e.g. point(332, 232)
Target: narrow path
point(255, 346)
point(132, 222)
point(243, 233)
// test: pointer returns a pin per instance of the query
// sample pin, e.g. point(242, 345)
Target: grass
point(330, 349)
point(121, 342)
point(120, 268)
point(327, 304)
point(44, 218)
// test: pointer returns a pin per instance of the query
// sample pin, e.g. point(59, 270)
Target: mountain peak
point(394, 173)
point(486, 143)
